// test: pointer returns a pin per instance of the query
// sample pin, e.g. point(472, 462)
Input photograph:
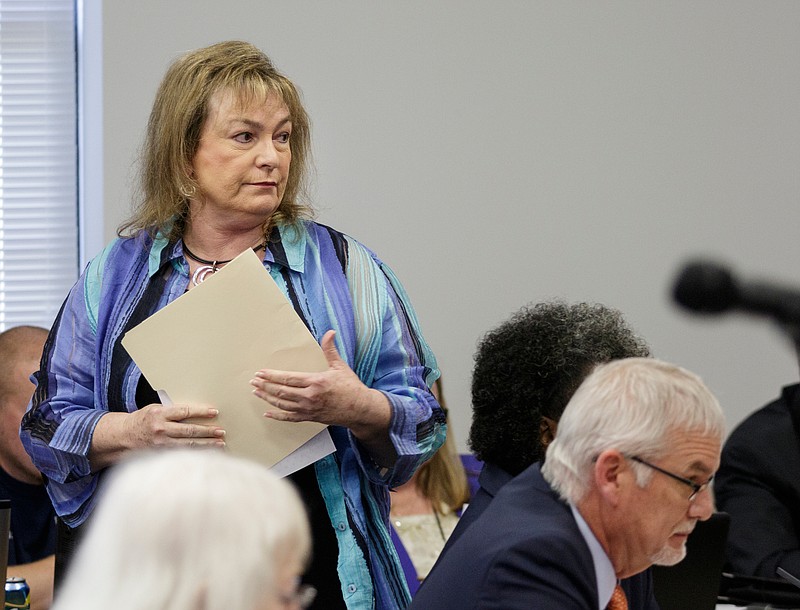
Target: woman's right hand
point(159, 425)
point(155, 425)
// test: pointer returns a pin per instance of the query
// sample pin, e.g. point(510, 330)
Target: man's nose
point(702, 507)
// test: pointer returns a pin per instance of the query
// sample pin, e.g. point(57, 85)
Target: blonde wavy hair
point(179, 112)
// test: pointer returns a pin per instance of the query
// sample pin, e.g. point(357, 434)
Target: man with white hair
point(624, 483)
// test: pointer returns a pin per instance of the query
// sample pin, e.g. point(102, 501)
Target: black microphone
point(708, 287)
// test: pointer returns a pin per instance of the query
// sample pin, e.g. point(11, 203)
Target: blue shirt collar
point(287, 247)
point(603, 569)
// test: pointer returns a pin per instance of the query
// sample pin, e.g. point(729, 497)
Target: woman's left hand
point(335, 396)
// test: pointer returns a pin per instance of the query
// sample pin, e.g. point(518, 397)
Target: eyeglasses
point(303, 596)
point(696, 487)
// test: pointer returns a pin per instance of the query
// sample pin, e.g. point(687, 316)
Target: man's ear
point(610, 473)
point(547, 431)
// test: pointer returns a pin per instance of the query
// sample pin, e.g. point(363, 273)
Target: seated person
point(472, 468)
point(32, 536)
point(624, 483)
point(182, 529)
point(758, 484)
point(425, 510)
point(525, 372)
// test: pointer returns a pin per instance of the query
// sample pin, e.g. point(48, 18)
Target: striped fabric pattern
point(332, 282)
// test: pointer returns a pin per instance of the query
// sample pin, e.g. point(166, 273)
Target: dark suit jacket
point(490, 480)
point(638, 588)
point(525, 551)
point(758, 484)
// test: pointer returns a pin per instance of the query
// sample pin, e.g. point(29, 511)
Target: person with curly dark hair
point(526, 371)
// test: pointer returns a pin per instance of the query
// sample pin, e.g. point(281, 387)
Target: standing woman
point(223, 171)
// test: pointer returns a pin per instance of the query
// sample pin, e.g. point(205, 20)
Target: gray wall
point(498, 153)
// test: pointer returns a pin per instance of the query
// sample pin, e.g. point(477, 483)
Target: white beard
point(668, 556)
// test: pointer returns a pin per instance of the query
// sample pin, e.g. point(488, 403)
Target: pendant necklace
point(210, 267)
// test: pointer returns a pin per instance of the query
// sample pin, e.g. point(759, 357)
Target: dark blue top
point(32, 535)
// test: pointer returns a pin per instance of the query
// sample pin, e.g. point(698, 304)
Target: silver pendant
point(200, 275)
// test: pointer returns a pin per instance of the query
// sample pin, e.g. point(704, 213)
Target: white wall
point(497, 153)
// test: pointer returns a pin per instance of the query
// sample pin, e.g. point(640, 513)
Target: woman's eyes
point(243, 138)
point(246, 137)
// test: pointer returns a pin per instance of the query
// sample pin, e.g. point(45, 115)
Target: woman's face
point(242, 162)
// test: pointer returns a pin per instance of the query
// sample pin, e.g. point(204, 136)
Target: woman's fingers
point(179, 412)
point(168, 425)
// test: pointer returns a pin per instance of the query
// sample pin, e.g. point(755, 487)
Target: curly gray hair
point(529, 367)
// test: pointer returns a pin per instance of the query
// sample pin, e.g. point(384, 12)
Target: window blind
point(38, 159)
